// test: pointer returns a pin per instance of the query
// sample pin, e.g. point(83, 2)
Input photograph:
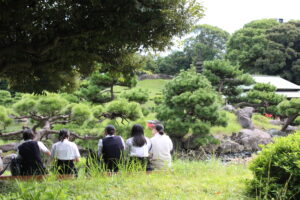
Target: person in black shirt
point(111, 148)
point(30, 155)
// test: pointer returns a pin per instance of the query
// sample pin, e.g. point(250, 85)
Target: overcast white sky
point(231, 15)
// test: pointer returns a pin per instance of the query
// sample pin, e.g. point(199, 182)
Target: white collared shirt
point(136, 151)
point(161, 148)
point(65, 150)
point(100, 143)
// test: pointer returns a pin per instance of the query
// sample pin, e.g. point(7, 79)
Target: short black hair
point(110, 130)
point(28, 134)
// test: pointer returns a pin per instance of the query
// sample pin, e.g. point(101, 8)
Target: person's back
point(65, 152)
point(136, 151)
point(138, 146)
point(111, 149)
point(31, 158)
point(161, 150)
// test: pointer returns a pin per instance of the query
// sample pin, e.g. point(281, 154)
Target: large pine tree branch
point(75, 135)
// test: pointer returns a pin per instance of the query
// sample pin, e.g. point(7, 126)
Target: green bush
point(190, 105)
point(277, 170)
point(137, 94)
point(297, 121)
point(5, 97)
point(4, 119)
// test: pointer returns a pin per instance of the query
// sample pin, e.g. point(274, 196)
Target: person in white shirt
point(65, 153)
point(160, 152)
point(138, 146)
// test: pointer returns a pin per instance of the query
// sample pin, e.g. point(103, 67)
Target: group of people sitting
point(154, 153)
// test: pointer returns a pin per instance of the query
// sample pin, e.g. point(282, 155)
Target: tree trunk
point(112, 97)
point(289, 120)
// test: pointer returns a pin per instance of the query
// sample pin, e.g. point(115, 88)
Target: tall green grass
point(187, 180)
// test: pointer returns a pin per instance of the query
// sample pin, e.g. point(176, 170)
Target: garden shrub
point(297, 121)
point(190, 105)
point(137, 95)
point(5, 97)
point(276, 170)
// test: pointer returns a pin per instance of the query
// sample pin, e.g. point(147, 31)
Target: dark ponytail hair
point(63, 134)
point(110, 130)
point(160, 129)
point(137, 132)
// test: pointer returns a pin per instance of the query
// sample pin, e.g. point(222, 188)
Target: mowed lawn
point(187, 180)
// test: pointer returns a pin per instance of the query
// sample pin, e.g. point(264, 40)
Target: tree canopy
point(263, 98)
point(190, 105)
point(289, 109)
point(226, 78)
point(282, 55)
point(208, 43)
point(246, 45)
point(45, 44)
point(267, 47)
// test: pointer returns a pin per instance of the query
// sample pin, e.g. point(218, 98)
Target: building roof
point(277, 81)
point(290, 94)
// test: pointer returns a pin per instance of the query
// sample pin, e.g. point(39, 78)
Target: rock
point(229, 146)
point(8, 147)
point(276, 122)
point(244, 117)
point(251, 139)
point(291, 129)
point(274, 132)
point(229, 108)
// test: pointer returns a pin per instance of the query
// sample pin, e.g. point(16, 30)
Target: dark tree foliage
point(173, 63)
point(45, 44)
point(190, 105)
point(263, 98)
point(226, 79)
point(282, 57)
point(247, 45)
point(208, 43)
point(267, 47)
point(289, 109)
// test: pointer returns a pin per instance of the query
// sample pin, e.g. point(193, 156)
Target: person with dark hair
point(138, 146)
point(65, 152)
point(160, 152)
point(110, 148)
point(30, 155)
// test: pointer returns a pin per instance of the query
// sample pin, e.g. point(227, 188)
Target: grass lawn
point(232, 126)
point(188, 180)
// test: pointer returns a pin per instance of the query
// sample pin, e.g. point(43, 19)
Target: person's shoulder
point(72, 143)
point(56, 143)
point(40, 143)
